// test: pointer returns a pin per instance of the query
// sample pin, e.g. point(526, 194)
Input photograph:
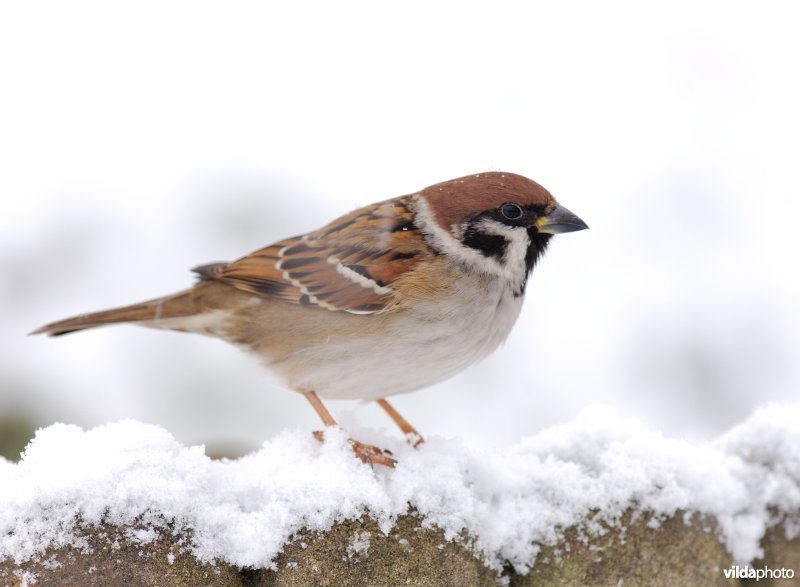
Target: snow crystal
point(505, 500)
point(359, 546)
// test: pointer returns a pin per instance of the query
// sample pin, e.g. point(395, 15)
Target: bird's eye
point(511, 211)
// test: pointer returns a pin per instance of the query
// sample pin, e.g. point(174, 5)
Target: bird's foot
point(365, 452)
point(372, 454)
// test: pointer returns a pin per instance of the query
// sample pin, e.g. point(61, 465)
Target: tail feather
point(174, 306)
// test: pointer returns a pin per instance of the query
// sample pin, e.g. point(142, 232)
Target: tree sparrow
point(387, 299)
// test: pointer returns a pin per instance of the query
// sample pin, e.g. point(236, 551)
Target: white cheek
point(510, 269)
point(513, 262)
point(445, 242)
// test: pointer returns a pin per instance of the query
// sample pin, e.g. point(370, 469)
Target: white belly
point(429, 344)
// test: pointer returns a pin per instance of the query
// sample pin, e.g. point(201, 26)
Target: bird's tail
point(150, 313)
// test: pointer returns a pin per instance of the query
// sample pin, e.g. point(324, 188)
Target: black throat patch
point(532, 255)
point(536, 248)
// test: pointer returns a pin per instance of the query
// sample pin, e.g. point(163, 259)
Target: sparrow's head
point(497, 222)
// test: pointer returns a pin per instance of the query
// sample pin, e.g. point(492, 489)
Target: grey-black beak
point(558, 221)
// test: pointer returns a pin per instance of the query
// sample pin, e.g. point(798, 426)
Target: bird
point(387, 299)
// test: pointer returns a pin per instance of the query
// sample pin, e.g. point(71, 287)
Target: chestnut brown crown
point(453, 201)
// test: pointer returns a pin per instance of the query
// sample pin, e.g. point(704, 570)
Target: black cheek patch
point(490, 245)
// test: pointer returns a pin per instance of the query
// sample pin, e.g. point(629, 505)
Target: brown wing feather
point(348, 265)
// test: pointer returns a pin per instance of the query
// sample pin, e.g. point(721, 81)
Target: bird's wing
point(348, 265)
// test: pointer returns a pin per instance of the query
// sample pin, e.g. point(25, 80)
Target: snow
point(359, 545)
point(508, 499)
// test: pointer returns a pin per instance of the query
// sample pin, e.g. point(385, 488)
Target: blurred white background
point(138, 140)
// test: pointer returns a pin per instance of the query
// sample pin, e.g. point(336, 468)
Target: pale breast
point(420, 345)
point(432, 335)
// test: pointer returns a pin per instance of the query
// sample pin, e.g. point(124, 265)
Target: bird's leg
point(414, 438)
point(365, 452)
point(320, 408)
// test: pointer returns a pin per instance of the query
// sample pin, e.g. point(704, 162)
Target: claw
point(365, 452)
point(372, 454)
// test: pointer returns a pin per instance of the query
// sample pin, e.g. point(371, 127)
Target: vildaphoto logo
point(748, 572)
